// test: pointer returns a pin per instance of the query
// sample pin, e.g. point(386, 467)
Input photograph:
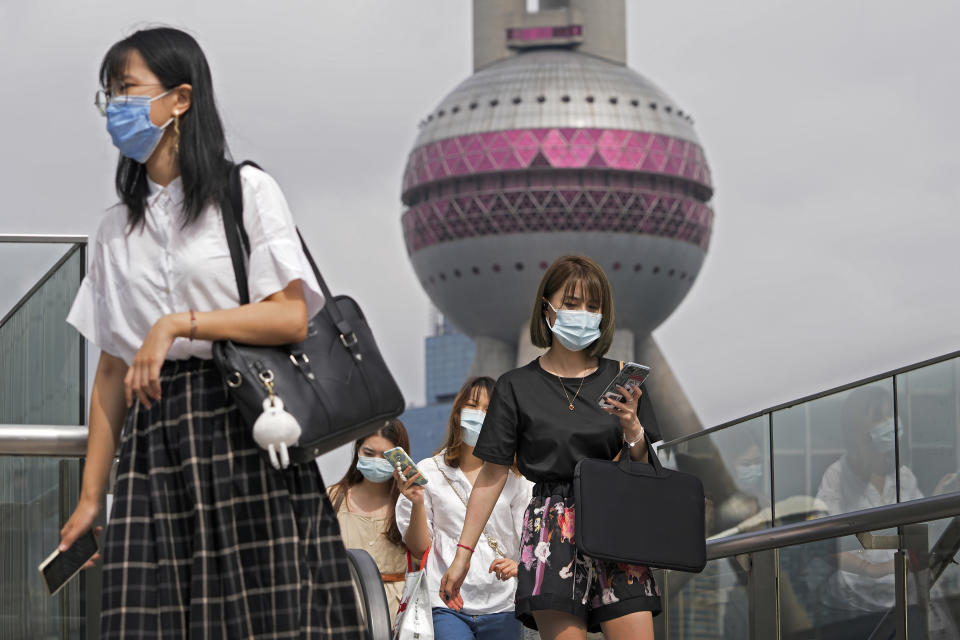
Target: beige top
point(368, 533)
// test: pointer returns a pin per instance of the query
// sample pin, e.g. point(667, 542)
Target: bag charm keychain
point(275, 429)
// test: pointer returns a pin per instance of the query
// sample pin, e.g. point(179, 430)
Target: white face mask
point(471, 422)
point(576, 330)
point(883, 436)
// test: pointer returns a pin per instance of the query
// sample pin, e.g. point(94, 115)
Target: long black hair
point(175, 58)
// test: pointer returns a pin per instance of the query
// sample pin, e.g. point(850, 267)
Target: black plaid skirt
point(207, 540)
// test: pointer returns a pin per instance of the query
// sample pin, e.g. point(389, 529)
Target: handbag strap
point(423, 561)
point(239, 243)
point(625, 460)
point(490, 539)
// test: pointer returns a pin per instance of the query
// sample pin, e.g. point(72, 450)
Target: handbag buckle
point(348, 342)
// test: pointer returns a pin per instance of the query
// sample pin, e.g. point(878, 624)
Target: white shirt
point(843, 491)
point(138, 276)
point(482, 592)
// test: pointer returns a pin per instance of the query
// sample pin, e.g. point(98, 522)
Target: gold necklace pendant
point(567, 395)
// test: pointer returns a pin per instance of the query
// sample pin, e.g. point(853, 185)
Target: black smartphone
point(630, 377)
point(59, 567)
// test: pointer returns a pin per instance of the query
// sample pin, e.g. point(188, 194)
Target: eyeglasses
point(104, 97)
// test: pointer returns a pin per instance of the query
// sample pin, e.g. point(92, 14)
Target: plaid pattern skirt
point(207, 540)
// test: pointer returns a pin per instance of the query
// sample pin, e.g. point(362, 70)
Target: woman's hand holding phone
point(626, 411)
point(409, 487)
point(80, 521)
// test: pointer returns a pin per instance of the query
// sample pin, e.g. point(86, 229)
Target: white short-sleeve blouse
point(137, 276)
point(482, 592)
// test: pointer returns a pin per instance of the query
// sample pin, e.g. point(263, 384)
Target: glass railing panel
point(933, 582)
point(708, 605)
point(928, 407)
point(41, 380)
point(834, 454)
point(35, 496)
point(829, 590)
point(734, 465)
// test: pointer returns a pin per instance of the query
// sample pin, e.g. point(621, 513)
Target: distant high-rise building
point(449, 354)
point(555, 146)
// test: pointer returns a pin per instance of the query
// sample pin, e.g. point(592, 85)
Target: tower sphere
point(547, 153)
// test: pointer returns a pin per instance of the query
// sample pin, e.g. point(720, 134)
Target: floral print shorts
point(554, 574)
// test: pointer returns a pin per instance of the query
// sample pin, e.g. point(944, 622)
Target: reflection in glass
point(928, 401)
point(734, 466)
point(696, 604)
point(839, 450)
point(31, 492)
point(933, 584)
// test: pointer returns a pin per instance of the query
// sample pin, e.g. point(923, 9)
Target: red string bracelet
point(463, 546)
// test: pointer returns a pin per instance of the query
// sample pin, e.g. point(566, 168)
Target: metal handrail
point(29, 238)
point(61, 441)
point(816, 396)
point(836, 526)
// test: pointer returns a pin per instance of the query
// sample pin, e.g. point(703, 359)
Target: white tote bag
point(414, 617)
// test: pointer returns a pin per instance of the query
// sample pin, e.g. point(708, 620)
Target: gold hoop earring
point(176, 134)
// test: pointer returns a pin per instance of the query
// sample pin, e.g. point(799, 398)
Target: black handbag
point(335, 382)
point(639, 513)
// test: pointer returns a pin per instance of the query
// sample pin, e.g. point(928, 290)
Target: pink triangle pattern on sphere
point(559, 148)
point(640, 211)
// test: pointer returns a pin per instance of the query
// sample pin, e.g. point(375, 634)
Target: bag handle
point(625, 460)
point(423, 561)
point(239, 244)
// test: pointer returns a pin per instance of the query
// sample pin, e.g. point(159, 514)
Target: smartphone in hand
point(630, 377)
point(61, 566)
point(397, 456)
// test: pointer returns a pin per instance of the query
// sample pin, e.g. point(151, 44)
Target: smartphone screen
point(397, 456)
point(59, 566)
point(631, 376)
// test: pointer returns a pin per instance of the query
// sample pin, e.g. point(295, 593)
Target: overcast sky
point(830, 129)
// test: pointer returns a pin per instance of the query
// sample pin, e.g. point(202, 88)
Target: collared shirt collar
point(174, 190)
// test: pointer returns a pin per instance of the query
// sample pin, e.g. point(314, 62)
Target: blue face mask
point(471, 421)
point(576, 330)
point(375, 469)
point(129, 124)
point(883, 437)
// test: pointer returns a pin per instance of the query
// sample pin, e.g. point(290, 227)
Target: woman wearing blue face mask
point(364, 501)
point(433, 515)
point(205, 538)
point(545, 416)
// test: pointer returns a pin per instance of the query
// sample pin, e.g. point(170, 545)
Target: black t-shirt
point(529, 416)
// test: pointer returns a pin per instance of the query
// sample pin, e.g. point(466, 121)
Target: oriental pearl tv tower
point(555, 146)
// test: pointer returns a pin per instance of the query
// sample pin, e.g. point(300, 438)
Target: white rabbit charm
point(275, 430)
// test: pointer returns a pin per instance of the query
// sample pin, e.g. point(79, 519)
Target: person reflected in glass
point(205, 537)
point(432, 516)
point(865, 476)
point(364, 501)
point(547, 417)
